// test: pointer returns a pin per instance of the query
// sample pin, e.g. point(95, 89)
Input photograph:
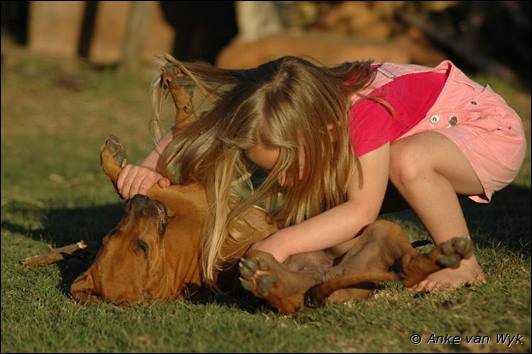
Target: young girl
point(331, 139)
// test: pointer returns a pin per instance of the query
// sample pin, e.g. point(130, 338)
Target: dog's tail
point(315, 296)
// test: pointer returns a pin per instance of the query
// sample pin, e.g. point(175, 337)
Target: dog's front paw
point(283, 289)
point(255, 276)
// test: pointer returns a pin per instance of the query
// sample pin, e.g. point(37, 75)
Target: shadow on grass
point(63, 226)
point(505, 222)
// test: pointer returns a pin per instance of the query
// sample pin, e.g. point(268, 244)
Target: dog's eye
point(143, 246)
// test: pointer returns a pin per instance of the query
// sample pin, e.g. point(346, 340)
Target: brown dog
point(154, 253)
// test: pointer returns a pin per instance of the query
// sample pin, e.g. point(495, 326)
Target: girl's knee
point(407, 163)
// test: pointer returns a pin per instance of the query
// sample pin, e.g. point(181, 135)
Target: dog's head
point(130, 266)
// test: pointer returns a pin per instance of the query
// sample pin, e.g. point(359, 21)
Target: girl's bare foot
point(468, 272)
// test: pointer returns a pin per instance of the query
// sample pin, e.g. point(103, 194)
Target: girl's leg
point(429, 170)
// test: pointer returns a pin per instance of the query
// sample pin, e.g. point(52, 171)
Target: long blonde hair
point(289, 103)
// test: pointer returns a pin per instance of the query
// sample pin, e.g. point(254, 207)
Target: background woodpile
point(490, 37)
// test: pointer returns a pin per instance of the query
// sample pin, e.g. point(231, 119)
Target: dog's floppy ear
point(82, 289)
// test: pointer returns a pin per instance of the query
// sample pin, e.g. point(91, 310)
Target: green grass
point(56, 114)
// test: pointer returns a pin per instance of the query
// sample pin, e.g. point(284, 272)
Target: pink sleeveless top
point(486, 130)
point(410, 96)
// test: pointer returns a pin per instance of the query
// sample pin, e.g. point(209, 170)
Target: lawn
point(56, 114)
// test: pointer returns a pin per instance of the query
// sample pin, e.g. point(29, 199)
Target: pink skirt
point(488, 132)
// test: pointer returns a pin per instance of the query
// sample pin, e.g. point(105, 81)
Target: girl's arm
point(342, 222)
point(153, 157)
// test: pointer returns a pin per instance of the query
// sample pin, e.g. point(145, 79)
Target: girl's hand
point(272, 246)
point(137, 180)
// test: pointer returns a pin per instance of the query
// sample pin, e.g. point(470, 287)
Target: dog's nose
point(140, 200)
point(140, 205)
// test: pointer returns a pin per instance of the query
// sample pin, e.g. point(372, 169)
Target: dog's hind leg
point(380, 245)
point(364, 265)
point(445, 255)
point(383, 245)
